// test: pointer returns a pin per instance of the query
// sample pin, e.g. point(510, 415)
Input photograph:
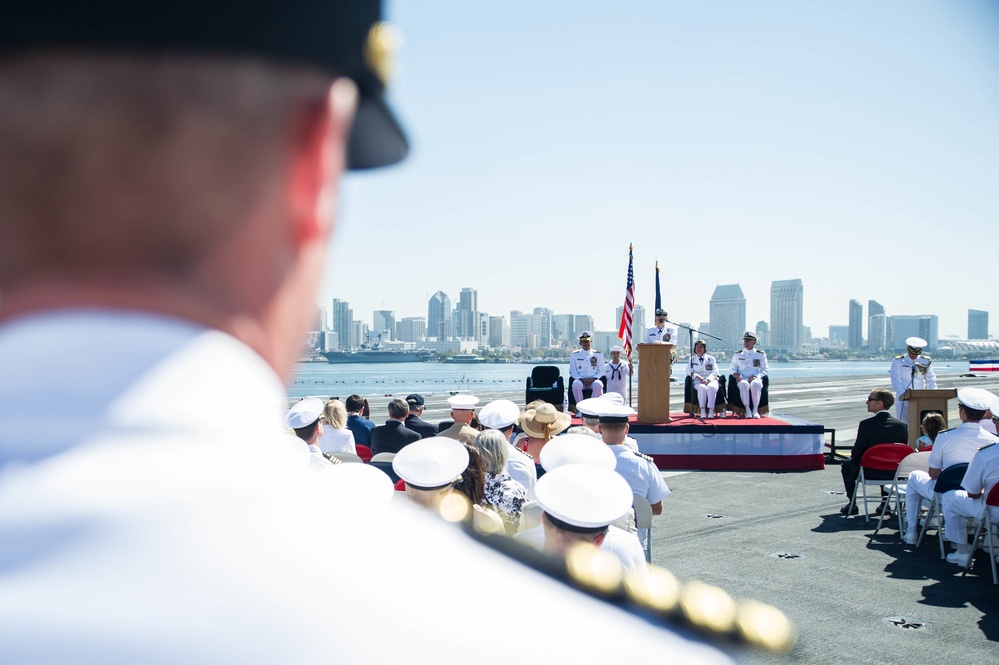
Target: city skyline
point(852, 145)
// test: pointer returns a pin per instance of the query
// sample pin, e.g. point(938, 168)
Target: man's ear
point(318, 158)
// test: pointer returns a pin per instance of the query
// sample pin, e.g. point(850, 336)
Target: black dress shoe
point(846, 509)
point(882, 508)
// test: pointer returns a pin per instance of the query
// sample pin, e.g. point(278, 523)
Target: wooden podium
point(921, 401)
point(653, 382)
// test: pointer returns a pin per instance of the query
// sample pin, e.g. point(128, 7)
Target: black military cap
point(341, 36)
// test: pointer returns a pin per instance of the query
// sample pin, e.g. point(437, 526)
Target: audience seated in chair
point(703, 384)
point(586, 367)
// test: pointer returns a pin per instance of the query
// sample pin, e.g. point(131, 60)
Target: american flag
point(628, 313)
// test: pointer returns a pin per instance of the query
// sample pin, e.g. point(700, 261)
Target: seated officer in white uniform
point(663, 331)
point(979, 479)
point(303, 418)
point(703, 372)
point(617, 373)
point(911, 370)
point(586, 366)
point(502, 415)
point(749, 366)
point(953, 446)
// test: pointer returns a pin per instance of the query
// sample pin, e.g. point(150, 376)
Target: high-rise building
point(343, 316)
point(439, 316)
point(637, 324)
point(839, 336)
point(467, 314)
point(411, 329)
point(727, 315)
point(563, 329)
point(762, 333)
point(384, 319)
point(582, 323)
point(319, 324)
point(786, 309)
point(499, 333)
point(877, 332)
point(359, 333)
point(978, 324)
point(905, 326)
point(855, 334)
point(520, 329)
point(543, 326)
point(482, 329)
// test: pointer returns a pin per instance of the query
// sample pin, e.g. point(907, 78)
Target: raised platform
point(772, 443)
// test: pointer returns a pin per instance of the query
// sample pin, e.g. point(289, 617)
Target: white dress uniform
point(905, 375)
point(751, 364)
point(617, 378)
point(642, 474)
point(521, 468)
point(703, 371)
point(982, 474)
point(669, 334)
point(622, 544)
point(954, 446)
point(168, 463)
point(586, 365)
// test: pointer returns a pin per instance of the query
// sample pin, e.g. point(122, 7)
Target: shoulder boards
point(988, 446)
point(524, 453)
point(646, 457)
point(334, 460)
point(898, 357)
point(926, 357)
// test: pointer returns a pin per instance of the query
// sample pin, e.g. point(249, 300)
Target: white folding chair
point(344, 456)
point(948, 480)
point(643, 520)
point(988, 530)
point(530, 516)
point(912, 462)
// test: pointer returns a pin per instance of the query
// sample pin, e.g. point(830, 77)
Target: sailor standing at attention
point(911, 370)
point(749, 366)
point(663, 332)
point(617, 373)
point(586, 366)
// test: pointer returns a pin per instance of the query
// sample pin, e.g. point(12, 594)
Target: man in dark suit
point(393, 436)
point(882, 427)
point(414, 421)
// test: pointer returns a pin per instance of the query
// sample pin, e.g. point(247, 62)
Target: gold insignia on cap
point(765, 626)
point(384, 39)
point(594, 568)
point(708, 607)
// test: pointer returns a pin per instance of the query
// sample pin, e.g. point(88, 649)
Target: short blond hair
point(335, 413)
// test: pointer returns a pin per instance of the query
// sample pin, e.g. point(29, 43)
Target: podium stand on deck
point(653, 382)
point(921, 401)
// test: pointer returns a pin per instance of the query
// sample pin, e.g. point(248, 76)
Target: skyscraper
point(562, 327)
point(786, 309)
point(499, 332)
point(855, 334)
point(411, 329)
point(727, 317)
point(467, 314)
point(520, 330)
point(439, 316)
point(905, 326)
point(343, 317)
point(978, 324)
point(876, 326)
point(384, 319)
point(320, 324)
point(582, 323)
point(543, 326)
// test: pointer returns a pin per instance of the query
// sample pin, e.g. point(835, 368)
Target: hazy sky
point(854, 145)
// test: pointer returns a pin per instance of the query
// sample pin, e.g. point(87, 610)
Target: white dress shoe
point(910, 538)
point(756, 415)
point(960, 559)
point(704, 413)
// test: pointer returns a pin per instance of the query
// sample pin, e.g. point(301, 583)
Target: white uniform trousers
point(752, 385)
point(918, 487)
point(577, 389)
point(957, 505)
point(707, 393)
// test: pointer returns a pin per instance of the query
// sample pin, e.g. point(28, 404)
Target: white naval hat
point(361, 486)
point(616, 413)
point(304, 413)
point(499, 414)
point(431, 463)
point(584, 496)
point(749, 334)
point(613, 398)
point(915, 342)
point(616, 348)
point(591, 407)
point(586, 334)
point(576, 449)
point(975, 398)
point(463, 402)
